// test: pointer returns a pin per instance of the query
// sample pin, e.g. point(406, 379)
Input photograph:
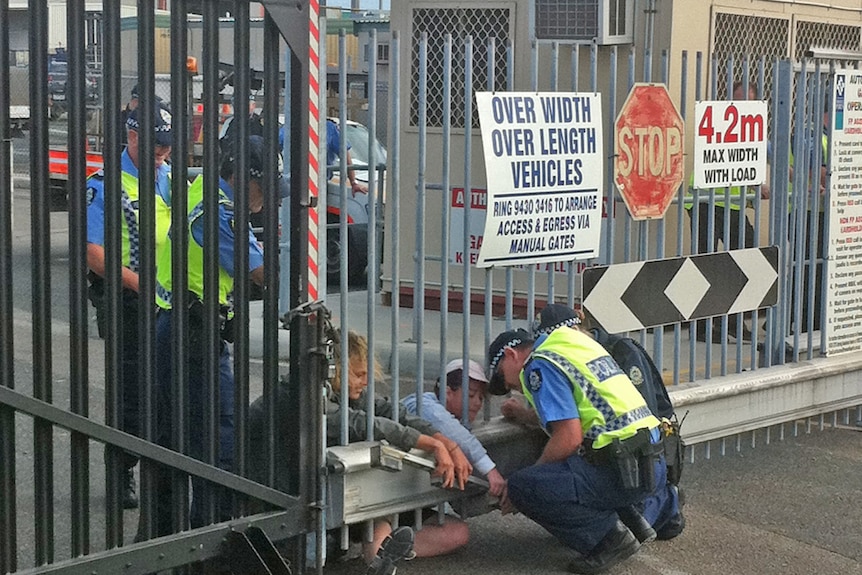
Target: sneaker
point(398, 546)
point(616, 547)
point(130, 497)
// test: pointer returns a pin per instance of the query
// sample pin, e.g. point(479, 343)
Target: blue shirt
point(96, 197)
point(437, 415)
point(226, 235)
point(333, 144)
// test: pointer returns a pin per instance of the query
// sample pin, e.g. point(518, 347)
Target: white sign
point(730, 143)
point(545, 170)
point(843, 321)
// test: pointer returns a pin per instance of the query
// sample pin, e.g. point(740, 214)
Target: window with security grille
point(741, 36)
point(482, 24)
point(812, 35)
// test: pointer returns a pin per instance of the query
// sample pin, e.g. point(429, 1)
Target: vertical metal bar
point(242, 36)
point(627, 234)
point(271, 50)
point(489, 272)
point(209, 397)
point(180, 299)
point(43, 447)
point(447, 196)
point(8, 496)
point(342, 231)
point(371, 291)
point(827, 91)
point(468, 209)
point(531, 270)
point(392, 223)
point(680, 215)
point(572, 268)
point(419, 282)
point(113, 310)
point(610, 197)
point(510, 273)
point(555, 81)
point(782, 105)
point(695, 227)
point(78, 380)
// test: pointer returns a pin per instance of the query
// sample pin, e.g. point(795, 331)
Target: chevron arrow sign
point(638, 295)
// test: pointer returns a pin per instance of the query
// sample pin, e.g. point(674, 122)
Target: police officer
point(130, 192)
point(196, 384)
point(603, 448)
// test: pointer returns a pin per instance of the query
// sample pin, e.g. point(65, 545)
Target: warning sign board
point(730, 143)
point(543, 160)
point(648, 151)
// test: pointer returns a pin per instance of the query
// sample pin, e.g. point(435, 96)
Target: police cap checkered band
point(553, 316)
point(256, 164)
point(511, 338)
point(161, 122)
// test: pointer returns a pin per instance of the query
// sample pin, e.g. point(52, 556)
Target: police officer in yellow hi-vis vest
point(196, 348)
point(603, 451)
point(130, 350)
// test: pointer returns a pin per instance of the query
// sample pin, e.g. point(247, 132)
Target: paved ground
point(787, 508)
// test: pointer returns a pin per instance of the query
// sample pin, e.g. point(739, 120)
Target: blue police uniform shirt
point(226, 235)
point(96, 197)
point(551, 389)
point(333, 143)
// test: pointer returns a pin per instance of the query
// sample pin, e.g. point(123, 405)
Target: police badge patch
point(636, 375)
point(534, 382)
point(91, 195)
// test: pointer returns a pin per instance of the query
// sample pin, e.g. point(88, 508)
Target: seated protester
point(406, 433)
point(447, 417)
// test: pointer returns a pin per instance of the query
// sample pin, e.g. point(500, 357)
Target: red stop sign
point(648, 145)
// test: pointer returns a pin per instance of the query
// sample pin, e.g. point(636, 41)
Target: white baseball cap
point(475, 370)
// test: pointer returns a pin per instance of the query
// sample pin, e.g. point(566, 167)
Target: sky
point(363, 4)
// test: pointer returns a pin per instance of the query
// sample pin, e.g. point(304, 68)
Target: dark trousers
point(194, 420)
point(130, 353)
point(575, 500)
point(706, 244)
point(821, 252)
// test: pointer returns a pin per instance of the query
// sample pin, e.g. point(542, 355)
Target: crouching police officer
point(195, 334)
point(130, 327)
point(603, 451)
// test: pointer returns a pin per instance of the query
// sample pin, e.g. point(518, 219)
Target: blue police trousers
point(575, 500)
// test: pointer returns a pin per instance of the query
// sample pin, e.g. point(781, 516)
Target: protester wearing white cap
point(447, 418)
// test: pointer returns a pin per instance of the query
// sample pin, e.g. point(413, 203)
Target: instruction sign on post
point(729, 143)
point(843, 322)
point(543, 160)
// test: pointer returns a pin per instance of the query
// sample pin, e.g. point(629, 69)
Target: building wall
point(678, 25)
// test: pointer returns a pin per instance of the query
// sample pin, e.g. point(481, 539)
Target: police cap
point(512, 338)
point(256, 165)
point(552, 316)
point(161, 121)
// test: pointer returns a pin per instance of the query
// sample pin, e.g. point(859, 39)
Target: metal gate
point(60, 443)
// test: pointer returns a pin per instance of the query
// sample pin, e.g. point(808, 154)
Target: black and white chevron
point(638, 295)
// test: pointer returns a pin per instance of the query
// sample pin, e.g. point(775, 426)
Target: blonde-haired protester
point(401, 430)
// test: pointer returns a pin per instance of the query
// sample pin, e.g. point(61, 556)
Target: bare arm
point(351, 176)
point(566, 438)
point(257, 275)
point(445, 466)
point(463, 468)
point(96, 263)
